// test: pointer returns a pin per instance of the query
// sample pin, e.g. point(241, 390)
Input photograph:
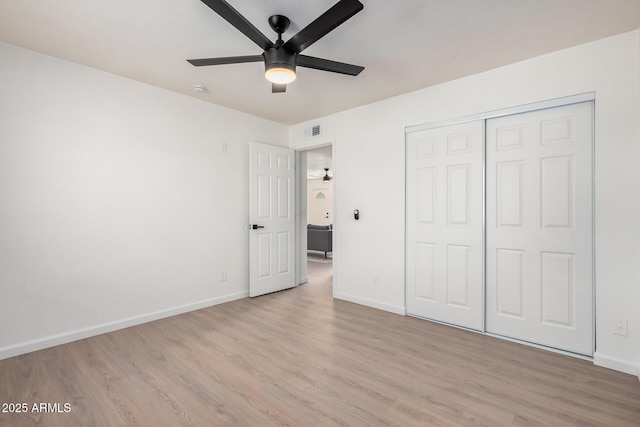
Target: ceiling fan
point(325, 178)
point(280, 58)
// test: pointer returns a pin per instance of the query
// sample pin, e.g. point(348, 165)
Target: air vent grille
point(312, 132)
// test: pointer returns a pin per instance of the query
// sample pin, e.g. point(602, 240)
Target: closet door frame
point(552, 103)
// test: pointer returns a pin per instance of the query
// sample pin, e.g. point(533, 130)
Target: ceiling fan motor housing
point(281, 57)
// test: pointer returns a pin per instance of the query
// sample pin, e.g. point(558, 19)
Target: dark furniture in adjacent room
point(320, 238)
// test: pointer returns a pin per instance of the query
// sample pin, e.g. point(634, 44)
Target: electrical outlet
point(376, 280)
point(621, 328)
point(223, 276)
point(223, 147)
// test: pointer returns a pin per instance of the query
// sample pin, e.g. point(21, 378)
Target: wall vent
point(312, 132)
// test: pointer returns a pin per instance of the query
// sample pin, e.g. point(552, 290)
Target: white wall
point(369, 141)
point(116, 203)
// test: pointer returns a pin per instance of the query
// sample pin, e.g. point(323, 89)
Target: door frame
point(301, 184)
point(524, 108)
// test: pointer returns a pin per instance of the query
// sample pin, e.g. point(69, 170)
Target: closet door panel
point(539, 249)
point(444, 224)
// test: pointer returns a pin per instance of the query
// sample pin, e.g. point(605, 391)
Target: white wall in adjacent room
point(369, 141)
point(118, 204)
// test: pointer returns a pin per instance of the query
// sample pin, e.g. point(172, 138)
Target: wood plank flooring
point(297, 358)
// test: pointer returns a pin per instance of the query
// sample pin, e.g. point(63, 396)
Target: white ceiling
point(318, 159)
point(404, 45)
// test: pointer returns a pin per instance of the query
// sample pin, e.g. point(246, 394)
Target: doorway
point(315, 215)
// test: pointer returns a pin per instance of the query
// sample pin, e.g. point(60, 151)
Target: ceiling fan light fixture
point(279, 65)
point(280, 74)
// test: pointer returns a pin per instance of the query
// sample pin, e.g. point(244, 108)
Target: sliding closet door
point(444, 224)
point(539, 227)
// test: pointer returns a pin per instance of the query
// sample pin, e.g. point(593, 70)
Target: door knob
point(256, 226)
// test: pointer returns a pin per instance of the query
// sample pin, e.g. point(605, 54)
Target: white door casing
point(539, 252)
point(271, 206)
point(444, 228)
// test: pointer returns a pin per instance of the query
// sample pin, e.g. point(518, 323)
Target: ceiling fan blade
point(234, 18)
point(226, 60)
point(324, 24)
point(327, 65)
point(278, 88)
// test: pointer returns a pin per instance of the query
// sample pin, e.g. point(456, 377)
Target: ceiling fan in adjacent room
point(325, 178)
point(281, 58)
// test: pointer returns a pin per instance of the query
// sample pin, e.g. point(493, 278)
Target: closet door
point(539, 227)
point(444, 196)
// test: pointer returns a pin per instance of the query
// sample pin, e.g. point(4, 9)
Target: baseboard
point(616, 364)
point(370, 303)
point(66, 337)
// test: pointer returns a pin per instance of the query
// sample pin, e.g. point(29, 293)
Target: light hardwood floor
point(300, 358)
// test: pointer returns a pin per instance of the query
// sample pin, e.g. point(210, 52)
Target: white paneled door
point(444, 224)
point(272, 219)
point(539, 284)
